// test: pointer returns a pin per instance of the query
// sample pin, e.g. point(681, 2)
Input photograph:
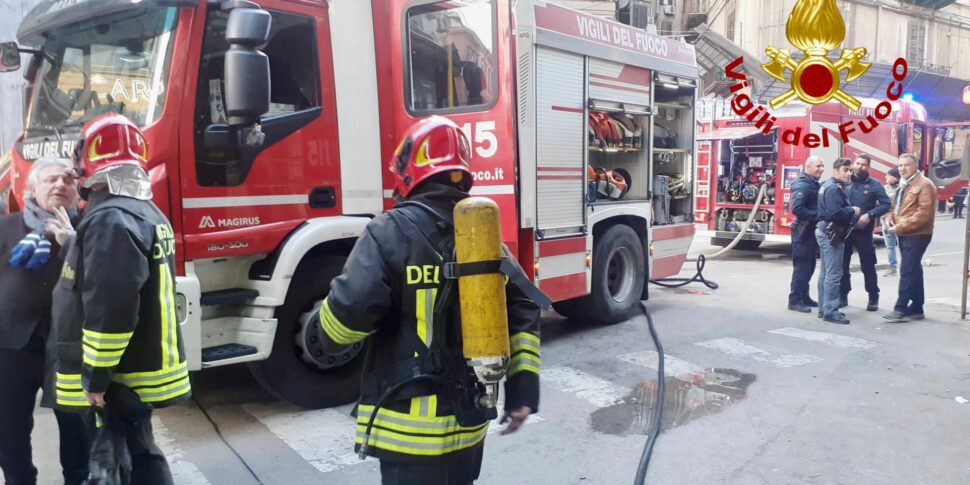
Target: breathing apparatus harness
point(441, 370)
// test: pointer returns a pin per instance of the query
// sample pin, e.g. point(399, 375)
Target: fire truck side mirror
point(9, 57)
point(247, 88)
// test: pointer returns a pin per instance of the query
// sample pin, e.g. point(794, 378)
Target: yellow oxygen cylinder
point(484, 320)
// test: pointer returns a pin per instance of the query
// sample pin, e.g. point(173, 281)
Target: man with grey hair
point(29, 267)
point(804, 247)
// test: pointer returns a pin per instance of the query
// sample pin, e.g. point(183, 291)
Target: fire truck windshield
point(113, 63)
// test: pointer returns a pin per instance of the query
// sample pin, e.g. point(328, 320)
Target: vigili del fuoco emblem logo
point(816, 28)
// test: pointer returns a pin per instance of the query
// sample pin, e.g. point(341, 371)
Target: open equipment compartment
point(618, 123)
point(672, 160)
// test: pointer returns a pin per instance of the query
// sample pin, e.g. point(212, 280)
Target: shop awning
point(729, 133)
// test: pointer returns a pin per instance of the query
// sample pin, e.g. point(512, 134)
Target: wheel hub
point(310, 340)
point(619, 274)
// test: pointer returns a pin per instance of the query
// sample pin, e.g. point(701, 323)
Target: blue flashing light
point(908, 96)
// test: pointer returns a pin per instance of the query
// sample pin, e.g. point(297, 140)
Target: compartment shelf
point(616, 150)
point(671, 105)
point(671, 150)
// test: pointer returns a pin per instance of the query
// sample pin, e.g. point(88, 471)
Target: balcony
point(934, 4)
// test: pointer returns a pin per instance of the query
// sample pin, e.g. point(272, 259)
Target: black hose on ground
point(658, 411)
point(698, 277)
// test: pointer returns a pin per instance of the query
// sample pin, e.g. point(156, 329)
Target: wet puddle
point(687, 398)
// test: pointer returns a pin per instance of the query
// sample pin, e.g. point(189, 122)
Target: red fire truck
point(582, 130)
point(735, 159)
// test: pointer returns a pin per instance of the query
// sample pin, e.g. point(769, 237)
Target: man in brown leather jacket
point(911, 218)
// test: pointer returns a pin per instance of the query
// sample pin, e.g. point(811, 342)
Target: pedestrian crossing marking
point(835, 340)
point(323, 437)
point(598, 392)
point(184, 472)
point(738, 348)
point(673, 366)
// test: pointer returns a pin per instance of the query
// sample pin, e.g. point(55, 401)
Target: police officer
point(870, 196)
point(389, 290)
point(804, 247)
point(836, 218)
point(118, 344)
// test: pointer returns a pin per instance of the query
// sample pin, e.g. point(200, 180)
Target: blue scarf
point(34, 250)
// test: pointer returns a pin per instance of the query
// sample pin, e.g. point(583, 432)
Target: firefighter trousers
point(462, 470)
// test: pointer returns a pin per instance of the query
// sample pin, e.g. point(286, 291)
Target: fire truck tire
point(618, 279)
point(743, 245)
point(284, 374)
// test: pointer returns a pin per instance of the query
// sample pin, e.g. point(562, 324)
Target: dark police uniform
point(388, 291)
point(115, 324)
point(870, 196)
point(804, 248)
point(25, 316)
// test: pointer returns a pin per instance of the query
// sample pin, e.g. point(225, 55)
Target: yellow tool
point(484, 319)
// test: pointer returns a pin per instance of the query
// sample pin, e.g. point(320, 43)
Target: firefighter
point(389, 290)
point(118, 346)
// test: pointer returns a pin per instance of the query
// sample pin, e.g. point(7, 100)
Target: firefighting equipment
point(396, 289)
point(609, 184)
point(431, 146)
point(114, 317)
point(484, 321)
point(676, 185)
point(463, 377)
point(113, 151)
point(664, 137)
point(613, 130)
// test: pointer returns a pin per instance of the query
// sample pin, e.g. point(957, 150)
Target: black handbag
point(110, 462)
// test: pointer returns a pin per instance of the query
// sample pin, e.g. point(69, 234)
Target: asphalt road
point(755, 394)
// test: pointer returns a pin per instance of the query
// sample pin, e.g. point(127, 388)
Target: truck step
point(227, 351)
point(229, 296)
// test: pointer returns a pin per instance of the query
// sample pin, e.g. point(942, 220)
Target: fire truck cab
point(269, 126)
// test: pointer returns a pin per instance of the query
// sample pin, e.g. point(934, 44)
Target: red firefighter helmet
point(431, 146)
point(109, 140)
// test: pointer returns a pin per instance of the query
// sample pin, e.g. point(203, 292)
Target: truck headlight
point(180, 308)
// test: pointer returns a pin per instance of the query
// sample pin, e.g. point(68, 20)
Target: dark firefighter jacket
point(388, 287)
point(833, 204)
point(804, 195)
point(868, 195)
point(114, 306)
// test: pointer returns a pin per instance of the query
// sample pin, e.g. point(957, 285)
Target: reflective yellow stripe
point(524, 341)
point(386, 439)
point(337, 331)
point(68, 391)
point(94, 360)
point(166, 300)
point(416, 435)
point(523, 361)
point(152, 379)
point(105, 341)
point(525, 353)
point(166, 392)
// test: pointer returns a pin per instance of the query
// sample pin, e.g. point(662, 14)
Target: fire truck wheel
point(287, 374)
point(618, 278)
point(742, 245)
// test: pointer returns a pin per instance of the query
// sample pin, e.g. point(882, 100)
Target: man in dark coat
point(804, 247)
point(869, 195)
point(29, 268)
